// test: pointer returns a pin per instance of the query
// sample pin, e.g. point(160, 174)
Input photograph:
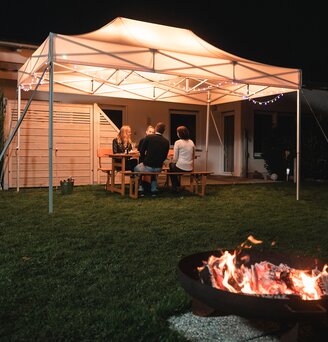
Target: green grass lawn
point(103, 267)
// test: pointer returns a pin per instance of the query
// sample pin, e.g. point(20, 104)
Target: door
point(115, 115)
point(229, 138)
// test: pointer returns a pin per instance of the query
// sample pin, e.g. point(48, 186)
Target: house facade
point(82, 123)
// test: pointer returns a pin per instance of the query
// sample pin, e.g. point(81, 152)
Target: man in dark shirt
point(153, 152)
point(150, 130)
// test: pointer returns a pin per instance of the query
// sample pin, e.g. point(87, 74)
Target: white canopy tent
point(140, 60)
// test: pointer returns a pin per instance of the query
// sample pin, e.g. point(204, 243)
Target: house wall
point(285, 104)
point(245, 163)
point(139, 114)
point(216, 142)
point(78, 130)
point(80, 151)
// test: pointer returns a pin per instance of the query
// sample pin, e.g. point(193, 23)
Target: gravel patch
point(224, 328)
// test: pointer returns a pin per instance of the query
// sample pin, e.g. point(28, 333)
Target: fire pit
point(208, 300)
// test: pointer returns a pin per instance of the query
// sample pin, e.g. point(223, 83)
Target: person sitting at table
point(123, 144)
point(154, 151)
point(150, 130)
point(146, 180)
point(183, 156)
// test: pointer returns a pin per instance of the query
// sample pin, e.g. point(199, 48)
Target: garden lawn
point(103, 267)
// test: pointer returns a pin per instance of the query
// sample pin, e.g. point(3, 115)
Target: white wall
point(139, 114)
point(216, 142)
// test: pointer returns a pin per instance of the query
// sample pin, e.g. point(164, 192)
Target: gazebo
point(140, 60)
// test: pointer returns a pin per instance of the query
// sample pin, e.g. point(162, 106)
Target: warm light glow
point(264, 278)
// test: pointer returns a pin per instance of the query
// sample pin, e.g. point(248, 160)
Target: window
point(287, 125)
point(177, 119)
point(262, 129)
point(229, 139)
point(115, 115)
point(263, 125)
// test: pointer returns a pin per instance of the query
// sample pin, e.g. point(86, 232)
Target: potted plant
point(66, 186)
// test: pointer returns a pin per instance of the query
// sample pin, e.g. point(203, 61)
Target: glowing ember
point(264, 278)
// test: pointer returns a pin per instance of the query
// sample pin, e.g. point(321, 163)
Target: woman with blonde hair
point(123, 144)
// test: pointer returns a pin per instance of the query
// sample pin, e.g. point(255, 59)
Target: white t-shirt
point(184, 154)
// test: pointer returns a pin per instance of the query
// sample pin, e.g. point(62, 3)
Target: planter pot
point(66, 187)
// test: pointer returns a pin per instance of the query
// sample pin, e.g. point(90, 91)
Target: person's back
point(183, 158)
point(154, 150)
point(184, 151)
point(150, 130)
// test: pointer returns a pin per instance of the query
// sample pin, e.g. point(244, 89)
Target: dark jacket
point(119, 147)
point(154, 150)
point(141, 157)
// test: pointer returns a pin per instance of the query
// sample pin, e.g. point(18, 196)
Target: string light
point(265, 102)
point(26, 87)
point(179, 85)
point(35, 80)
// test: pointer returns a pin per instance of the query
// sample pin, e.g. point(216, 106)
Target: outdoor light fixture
point(287, 173)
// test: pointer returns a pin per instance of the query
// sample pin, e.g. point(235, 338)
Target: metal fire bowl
point(251, 306)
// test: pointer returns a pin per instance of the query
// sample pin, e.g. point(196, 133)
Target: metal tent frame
point(139, 60)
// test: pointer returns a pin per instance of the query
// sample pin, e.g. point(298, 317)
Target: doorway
point(115, 115)
point(229, 140)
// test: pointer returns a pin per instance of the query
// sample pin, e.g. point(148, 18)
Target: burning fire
point(264, 278)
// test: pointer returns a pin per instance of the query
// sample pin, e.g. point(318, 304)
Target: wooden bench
point(197, 183)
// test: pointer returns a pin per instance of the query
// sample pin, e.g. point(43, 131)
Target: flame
point(264, 278)
point(253, 240)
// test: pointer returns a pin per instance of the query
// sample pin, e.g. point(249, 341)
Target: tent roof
point(140, 60)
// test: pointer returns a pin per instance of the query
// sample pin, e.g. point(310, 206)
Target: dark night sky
point(283, 33)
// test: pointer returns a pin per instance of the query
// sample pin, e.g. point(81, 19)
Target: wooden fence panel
point(78, 130)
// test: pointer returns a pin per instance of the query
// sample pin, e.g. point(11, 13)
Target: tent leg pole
point(298, 138)
point(216, 128)
point(50, 141)
point(207, 128)
point(11, 137)
point(18, 138)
